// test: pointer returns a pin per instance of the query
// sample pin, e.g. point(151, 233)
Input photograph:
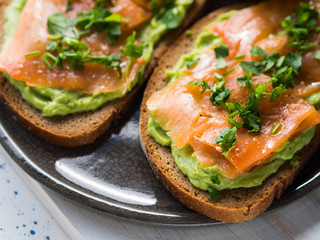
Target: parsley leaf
point(108, 61)
point(203, 84)
point(171, 19)
point(227, 73)
point(251, 121)
point(221, 52)
point(219, 94)
point(283, 76)
point(215, 179)
point(298, 28)
point(276, 92)
point(154, 6)
point(240, 57)
point(133, 50)
point(213, 194)
point(226, 139)
point(192, 62)
point(251, 67)
point(58, 25)
point(100, 19)
point(258, 52)
point(294, 60)
point(276, 128)
point(69, 6)
point(221, 63)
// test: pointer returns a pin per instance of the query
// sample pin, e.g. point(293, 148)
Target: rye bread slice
point(83, 128)
point(236, 205)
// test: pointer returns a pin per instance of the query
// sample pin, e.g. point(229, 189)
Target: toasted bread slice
point(82, 128)
point(236, 205)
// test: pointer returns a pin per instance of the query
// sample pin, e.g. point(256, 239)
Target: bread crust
point(236, 205)
point(82, 128)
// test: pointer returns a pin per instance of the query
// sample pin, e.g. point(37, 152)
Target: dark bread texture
point(82, 128)
point(236, 205)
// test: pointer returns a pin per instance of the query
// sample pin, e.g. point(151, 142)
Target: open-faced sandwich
point(229, 116)
point(72, 66)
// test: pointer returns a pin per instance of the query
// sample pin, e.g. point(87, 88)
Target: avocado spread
point(211, 177)
point(52, 101)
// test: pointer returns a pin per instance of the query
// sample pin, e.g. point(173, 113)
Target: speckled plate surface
point(113, 176)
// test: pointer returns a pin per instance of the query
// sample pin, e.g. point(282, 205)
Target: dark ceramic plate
point(113, 176)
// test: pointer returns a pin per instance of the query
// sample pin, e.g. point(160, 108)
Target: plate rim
point(116, 208)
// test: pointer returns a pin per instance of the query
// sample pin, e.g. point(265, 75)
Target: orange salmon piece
point(191, 118)
point(32, 34)
point(133, 11)
point(244, 29)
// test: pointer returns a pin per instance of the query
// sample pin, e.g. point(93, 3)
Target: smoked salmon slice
point(32, 35)
point(189, 117)
point(244, 29)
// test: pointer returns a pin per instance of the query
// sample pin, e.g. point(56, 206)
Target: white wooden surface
point(26, 211)
point(299, 220)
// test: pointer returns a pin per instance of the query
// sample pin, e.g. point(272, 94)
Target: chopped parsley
point(69, 6)
point(215, 179)
point(276, 128)
point(299, 27)
point(132, 50)
point(192, 62)
point(59, 26)
point(253, 67)
point(171, 19)
point(203, 84)
point(226, 139)
point(100, 19)
point(227, 73)
point(283, 70)
point(240, 57)
point(221, 52)
point(67, 48)
point(154, 5)
point(32, 53)
point(213, 194)
point(219, 93)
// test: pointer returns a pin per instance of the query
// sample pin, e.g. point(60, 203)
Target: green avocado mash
point(52, 101)
point(201, 176)
point(204, 177)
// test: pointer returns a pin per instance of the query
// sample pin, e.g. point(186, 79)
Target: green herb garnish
point(219, 93)
point(203, 84)
point(213, 193)
point(240, 57)
point(215, 179)
point(32, 53)
point(69, 6)
point(192, 62)
point(221, 52)
point(226, 139)
point(100, 19)
point(299, 27)
point(132, 50)
point(227, 73)
point(276, 128)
